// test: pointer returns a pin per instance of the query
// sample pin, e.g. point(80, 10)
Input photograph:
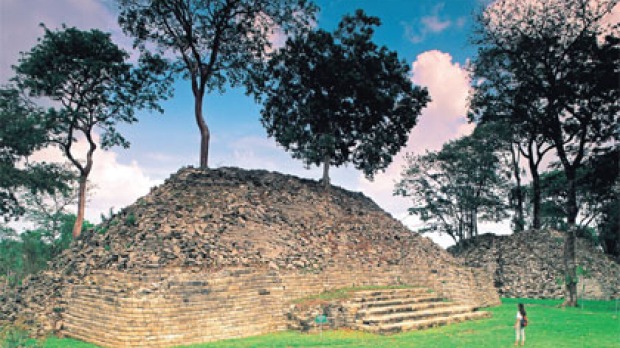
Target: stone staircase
point(397, 310)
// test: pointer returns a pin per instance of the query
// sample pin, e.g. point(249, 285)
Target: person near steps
point(520, 324)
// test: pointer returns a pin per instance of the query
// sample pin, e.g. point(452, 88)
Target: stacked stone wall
point(177, 306)
point(530, 264)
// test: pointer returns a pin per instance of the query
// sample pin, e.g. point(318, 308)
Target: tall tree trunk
point(520, 220)
point(474, 219)
point(534, 153)
point(205, 135)
point(325, 179)
point(77, 227)
point(84, 171)
point(570, 264)
point(536, 197)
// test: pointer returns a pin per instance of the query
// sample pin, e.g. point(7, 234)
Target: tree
point(30, 251)
point(493, 101)
point(215, 42)
point(563, 63)
point(338, 98)
point(604, 182)
point(10, 256)
point(609, 225)
point(23, 130)
point(596, 186)
point(453, 188)
point(49, 213)
point(93, 87)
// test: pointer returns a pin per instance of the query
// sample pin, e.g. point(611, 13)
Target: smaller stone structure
point(530, 264)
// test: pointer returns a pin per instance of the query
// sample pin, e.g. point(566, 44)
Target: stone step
point(410, 307)
point(399, 301)
point(375, 292)
point(379, 295)
point(410, 325)
point(378, 319)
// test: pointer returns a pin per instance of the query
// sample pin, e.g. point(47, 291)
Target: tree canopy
point(561, 62)
point(23, 130)
point(453, 188)
point(215, 42)
point(337, 98)
point(93, 88)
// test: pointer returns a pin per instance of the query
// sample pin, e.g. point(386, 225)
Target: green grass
point(54, 342)
point(595, 325)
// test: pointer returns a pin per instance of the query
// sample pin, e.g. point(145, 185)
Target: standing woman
point(520, 325)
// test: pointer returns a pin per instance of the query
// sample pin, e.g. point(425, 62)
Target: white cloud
point(418, 31)
point(411, 34)
point(435, 25)
point(115, 184)
point(444, 119)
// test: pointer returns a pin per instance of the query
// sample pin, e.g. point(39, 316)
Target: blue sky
point(233, 115)
point(431, 36)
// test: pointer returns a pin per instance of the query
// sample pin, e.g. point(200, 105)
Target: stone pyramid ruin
point(217, 254)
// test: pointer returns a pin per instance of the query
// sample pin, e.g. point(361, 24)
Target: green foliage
point(23, 130)
point(570, 103)
point(101, 229)
point(609, 228)
point(11, 261)
point(130, 220)
point(88, 77)
point(29, 252)
point(88, 74)
point(451, 189)
point(336, 98)
point(582, 272)
point(596, 187)
point(49, 213)
point(14, 337)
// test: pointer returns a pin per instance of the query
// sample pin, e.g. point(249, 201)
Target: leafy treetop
point(338, 98)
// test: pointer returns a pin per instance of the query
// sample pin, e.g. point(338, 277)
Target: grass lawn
point(595, 325)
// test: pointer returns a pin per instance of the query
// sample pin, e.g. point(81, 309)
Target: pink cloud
point(443, 119)
point(534, 16)
point(448, 84)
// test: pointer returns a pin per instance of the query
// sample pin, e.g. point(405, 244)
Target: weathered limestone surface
point(530, 264)
point(214, 254)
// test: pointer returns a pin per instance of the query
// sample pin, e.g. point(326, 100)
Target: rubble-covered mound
point(531, 264)
point(234, 217)
point(217, 219)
